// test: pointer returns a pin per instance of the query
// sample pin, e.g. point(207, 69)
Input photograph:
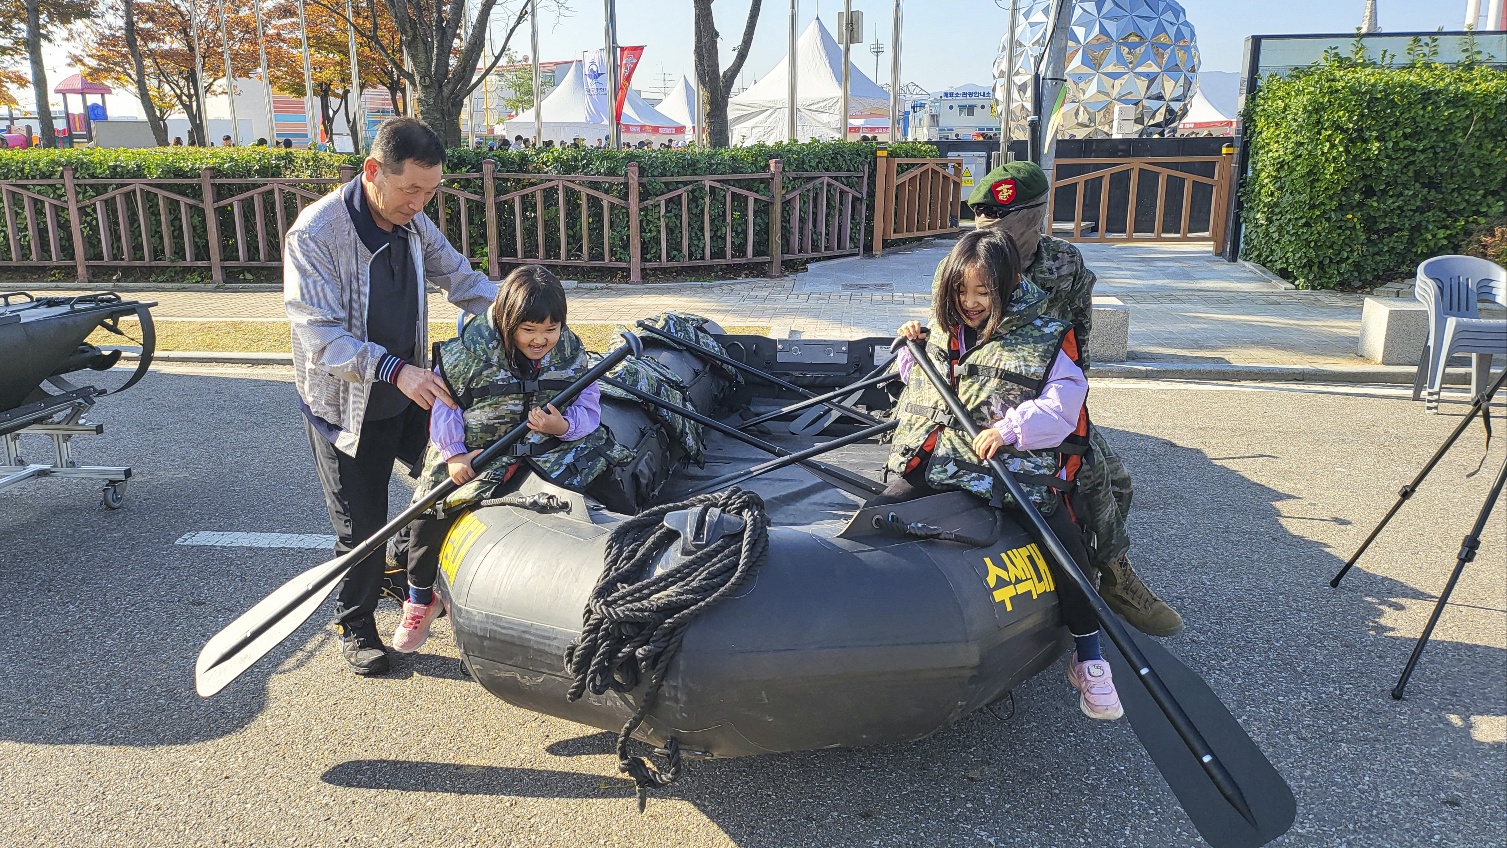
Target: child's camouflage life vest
point(494, 400)
point(998, 374)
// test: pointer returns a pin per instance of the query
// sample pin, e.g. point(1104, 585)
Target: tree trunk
point(39, 74)
point(138, 68)
point(439, 114)
point(716, 83)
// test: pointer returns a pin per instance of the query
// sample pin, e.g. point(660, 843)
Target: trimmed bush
point(1361, 170)
point(685, 238)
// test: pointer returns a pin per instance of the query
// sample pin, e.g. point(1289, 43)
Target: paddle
point(841, 478)
point(1229, 811)
point(260, 629)
point(853, 388)
point(817, 420)
point(792, 459)
point(750, 370)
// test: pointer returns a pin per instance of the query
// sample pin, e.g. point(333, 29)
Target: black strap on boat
point(543, 502)
point(895, 524)
point(148, 342)
point(636, 619)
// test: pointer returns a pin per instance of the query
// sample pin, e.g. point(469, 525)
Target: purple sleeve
point(1045, 421)
point(904, 362)
point(585, 415)
point(447, 430)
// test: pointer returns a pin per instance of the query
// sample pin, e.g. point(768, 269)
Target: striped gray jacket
point(326, 271)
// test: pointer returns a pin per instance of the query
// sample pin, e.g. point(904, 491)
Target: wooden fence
point(915, 198)
point(632, 223)
point(1115, 198)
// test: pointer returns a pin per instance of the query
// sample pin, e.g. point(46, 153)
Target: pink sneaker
point(1096, 689)
point(413, 630)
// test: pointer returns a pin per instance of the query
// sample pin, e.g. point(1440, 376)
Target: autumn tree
point(717, 84)
point(24, 27)
point(517, 81)
point(442, 55)
point(11, 81)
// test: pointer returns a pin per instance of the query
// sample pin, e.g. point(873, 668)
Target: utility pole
point(877, 48)
point(846, 31)
point(614, 75)
point(790, 64)
point(308, 76)
point(261, 44)
point(895, 78)
point(235, 125)
point(533, 20)
point(193, 25)
point(1006, 118)
point(358, 114)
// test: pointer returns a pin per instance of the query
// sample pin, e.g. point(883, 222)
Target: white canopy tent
point(760, 114)
point(680, 105)
point(1203, 115)
point(565, 116)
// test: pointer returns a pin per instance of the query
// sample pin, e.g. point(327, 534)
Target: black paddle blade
point(241, 643)
point(1220, 824)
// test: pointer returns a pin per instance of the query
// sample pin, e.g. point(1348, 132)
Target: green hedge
point(1359, 170)
point(254, 163)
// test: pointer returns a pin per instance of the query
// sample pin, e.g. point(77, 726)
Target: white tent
point(680, 104)
point(565, 116)
point(759, 115)
point(1204, 115)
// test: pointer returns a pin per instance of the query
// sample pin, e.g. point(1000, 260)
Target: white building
point(964, 112)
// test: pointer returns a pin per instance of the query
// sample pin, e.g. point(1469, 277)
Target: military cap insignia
point(1004, 191)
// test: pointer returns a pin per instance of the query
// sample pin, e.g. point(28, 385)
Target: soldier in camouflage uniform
point(1013, 198)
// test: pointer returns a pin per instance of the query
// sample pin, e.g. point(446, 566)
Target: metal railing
point(1115, 199)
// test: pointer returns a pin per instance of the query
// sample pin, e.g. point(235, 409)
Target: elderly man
point(1013, 198)
point(355, 267)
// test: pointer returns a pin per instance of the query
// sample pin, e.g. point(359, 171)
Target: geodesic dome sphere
point(1141, 53)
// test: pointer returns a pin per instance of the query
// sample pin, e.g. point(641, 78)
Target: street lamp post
point(1006, 121)
point(261, 45)
point(847, 47)
point(308, 76)
point(614, 75)
point(235, 126)
point(193, 26)
point(895, 77)
point(790, 64)
point(533, 19)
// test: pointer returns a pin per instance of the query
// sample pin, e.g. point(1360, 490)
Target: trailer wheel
point(114, 495)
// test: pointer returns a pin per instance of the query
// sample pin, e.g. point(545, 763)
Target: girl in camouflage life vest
point(1014, 370)
point(504, 365)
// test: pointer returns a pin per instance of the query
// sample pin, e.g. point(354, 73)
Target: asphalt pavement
point(1248, 499)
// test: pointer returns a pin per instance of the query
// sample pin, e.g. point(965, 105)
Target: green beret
point(1011, 185)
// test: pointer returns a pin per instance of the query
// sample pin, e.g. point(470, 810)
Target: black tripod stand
point(1471, 542)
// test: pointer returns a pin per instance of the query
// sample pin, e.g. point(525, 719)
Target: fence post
point(776, 217)
point(1219, 203)
point(489, 198)
point(347, 173)
point(212, 226)
point(635, 229)
point(80, 259)
point(882, 199)
point(863, 207)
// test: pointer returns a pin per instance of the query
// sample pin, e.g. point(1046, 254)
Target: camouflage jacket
point(494, 400)
point(996, 375)
point(1058, 269)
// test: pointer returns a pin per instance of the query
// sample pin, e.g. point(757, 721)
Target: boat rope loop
point(636, 619)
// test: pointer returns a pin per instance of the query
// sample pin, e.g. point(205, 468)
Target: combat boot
point(362, 647)
point(1127, 595)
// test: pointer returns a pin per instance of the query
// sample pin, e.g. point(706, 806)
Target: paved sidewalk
point(1189, 310)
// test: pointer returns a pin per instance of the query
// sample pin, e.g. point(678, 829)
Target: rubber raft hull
point(842, 640)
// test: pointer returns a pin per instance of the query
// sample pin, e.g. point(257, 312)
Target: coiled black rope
point(634, 623)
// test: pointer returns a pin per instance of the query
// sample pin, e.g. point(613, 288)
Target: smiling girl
point(500, 370)
point(1014, 370)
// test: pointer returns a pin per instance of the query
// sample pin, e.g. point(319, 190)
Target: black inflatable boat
point(852, 633)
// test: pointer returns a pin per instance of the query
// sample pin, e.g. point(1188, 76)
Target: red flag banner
point(628, 62)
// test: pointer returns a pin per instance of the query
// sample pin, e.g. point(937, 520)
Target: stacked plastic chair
point(1452, 287)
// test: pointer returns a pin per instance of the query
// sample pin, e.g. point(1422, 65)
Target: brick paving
point(1186, 305)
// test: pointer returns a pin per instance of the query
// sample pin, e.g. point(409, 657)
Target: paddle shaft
point(325, 578)
point(874, 378)
point(751, 371)
point(850, 482)
point(1217, 773)
point(794, 458)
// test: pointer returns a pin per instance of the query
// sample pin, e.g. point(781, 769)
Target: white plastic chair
point(1452, 287)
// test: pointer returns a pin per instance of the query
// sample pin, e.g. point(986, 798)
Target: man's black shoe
point(362, 647)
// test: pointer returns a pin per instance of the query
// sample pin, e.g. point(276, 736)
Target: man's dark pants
point(355, 492)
